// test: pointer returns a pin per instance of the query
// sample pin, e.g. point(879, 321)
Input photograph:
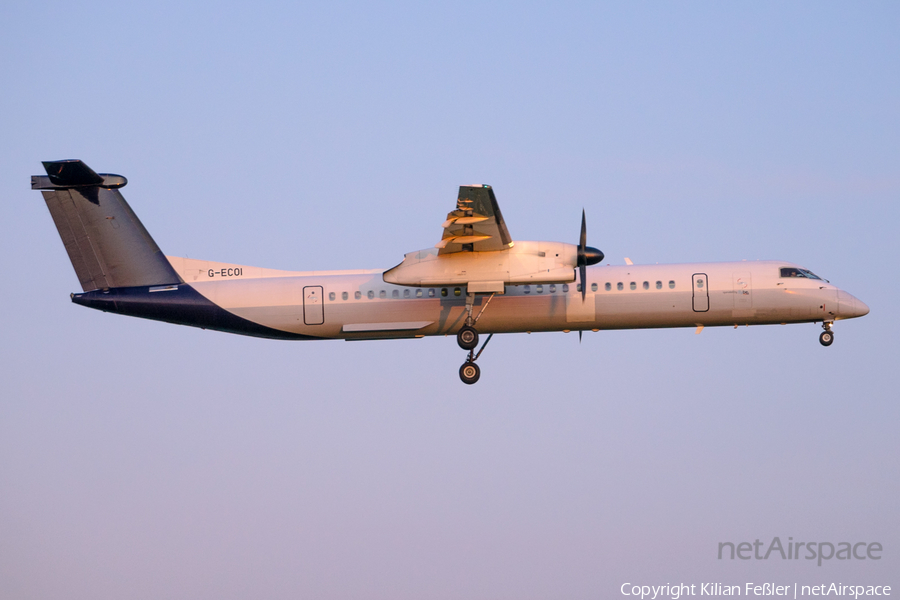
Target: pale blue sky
point(145, 460)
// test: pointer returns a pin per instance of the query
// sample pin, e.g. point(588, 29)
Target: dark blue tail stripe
point(182, 305)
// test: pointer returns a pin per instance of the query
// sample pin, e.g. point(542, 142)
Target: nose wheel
point(826, 338)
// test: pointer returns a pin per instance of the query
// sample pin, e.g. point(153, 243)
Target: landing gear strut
point(467, 338)
point(826, 338)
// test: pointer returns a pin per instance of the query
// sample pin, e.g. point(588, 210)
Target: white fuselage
point(361, 305)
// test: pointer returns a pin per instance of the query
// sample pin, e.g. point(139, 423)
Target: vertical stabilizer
point(106, 242)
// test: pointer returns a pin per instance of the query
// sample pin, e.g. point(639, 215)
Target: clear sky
point(144, 460)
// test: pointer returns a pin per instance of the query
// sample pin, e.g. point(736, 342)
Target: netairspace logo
point(813, 550)
point(651, 592)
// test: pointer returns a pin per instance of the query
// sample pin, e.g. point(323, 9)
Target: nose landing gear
point(826, 338)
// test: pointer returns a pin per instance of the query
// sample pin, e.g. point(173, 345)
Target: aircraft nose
point(851, 307)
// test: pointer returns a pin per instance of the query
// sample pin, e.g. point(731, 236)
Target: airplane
point(475, 280)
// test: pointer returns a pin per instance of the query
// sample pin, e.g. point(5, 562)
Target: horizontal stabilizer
point(71, 173)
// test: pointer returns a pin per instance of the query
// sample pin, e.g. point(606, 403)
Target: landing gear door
point(701, 292)
point(313, 309)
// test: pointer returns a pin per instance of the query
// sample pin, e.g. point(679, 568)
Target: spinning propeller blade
point(586, 256)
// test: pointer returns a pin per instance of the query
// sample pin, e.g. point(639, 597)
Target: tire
point(467, 338)
point(469, 372)
point(826, 338)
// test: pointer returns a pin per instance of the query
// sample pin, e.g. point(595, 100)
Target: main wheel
point(826, 338)
point(467, 338)
point(469, 372)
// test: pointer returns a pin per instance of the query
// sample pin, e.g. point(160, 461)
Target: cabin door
point(313, 309)
point(701, 292)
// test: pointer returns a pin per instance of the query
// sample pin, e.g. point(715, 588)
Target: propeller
point(586, 256)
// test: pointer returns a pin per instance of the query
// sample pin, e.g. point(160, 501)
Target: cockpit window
point(797, 272)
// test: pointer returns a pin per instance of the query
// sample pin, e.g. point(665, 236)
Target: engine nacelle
point(523, 262)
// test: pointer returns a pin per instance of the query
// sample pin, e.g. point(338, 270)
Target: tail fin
point(106, 242)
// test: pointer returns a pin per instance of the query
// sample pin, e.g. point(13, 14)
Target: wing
point(476, 225)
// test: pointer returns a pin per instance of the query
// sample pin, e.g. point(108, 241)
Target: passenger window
point(671, 285)
point(632, 285)
point(457, 291)
point(578, 288)
point(620, 286)
point(382, 294)
point(418, 293)
point(444, 292)
point(371, 294)
point(699, 283)
point(608, 287)
point(344, 295)
point(659, 285)
point(431, 293)
point(527, 289)
point(357, 295)
point(406, 293)
point(552, 289)
point(646, 285)
point(331, 295)
point(565, 287)
point(396, 293)
point(539, 289)
point(593, 287)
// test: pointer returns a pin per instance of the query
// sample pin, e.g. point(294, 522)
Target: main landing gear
point(467, 338)
point(469, 372)
point(826, 338)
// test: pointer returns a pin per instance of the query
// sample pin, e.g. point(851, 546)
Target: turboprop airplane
point(475, 280)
